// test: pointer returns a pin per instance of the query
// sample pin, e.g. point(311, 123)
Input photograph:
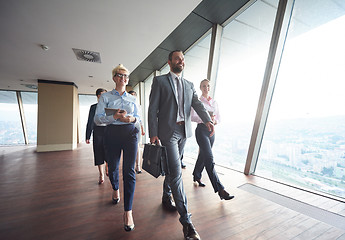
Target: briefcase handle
point(157, 143)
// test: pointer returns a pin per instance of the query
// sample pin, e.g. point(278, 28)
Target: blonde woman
point(119, 111)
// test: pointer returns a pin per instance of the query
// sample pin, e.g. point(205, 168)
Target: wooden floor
point(56, 196)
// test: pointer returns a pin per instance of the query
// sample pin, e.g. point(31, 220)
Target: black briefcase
point(155, 160)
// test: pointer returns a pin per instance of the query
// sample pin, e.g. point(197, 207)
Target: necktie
point(180, 97)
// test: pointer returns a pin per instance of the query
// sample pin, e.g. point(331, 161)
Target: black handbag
point(155, 160)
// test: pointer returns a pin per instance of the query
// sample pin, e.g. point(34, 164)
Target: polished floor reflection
point(56, 196)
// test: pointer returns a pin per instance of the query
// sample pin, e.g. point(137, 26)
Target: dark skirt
point(98, 145)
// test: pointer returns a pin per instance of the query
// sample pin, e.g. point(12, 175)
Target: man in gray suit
point(171, 99)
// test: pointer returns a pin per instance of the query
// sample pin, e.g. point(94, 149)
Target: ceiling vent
point(86, 55)
point(31, 86)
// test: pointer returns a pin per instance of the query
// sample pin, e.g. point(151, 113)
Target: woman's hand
point(142, 130)
point(120, 114)
point(127, 119)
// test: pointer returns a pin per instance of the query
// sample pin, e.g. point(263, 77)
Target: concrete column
point(57, 122)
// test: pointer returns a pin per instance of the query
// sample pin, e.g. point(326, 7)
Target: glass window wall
point(11, 131)
point(165, 69)
point(196, 64)
point(145, 108)
point(244, 48)
point(304, 140)
point(30, 111)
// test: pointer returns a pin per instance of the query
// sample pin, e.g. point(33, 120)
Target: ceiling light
point(86, 55)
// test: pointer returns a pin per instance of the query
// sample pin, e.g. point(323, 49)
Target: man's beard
point(177, 69)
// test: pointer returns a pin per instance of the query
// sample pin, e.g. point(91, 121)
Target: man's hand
point(87, 141)
point(155, 140)
point(210, 127)
point(213, 118)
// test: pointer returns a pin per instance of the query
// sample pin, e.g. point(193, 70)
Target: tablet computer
point(111, 111)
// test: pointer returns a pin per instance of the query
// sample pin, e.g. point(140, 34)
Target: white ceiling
point(124, 32)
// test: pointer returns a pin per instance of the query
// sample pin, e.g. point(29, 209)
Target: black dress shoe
point(183, 165)
point(189, 232)
point(224, 195)
point(201, 184)
point(168, 203)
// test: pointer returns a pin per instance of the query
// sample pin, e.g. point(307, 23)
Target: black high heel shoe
point(201, 184)
point(224, 195)
point(114, 199)
point(127, 228)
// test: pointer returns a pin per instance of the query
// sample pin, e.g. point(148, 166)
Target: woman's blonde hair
point(119, 67)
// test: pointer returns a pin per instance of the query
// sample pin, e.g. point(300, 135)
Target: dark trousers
point(173, 182)
point(122, 138)
point(98, 145)
point(205, 157)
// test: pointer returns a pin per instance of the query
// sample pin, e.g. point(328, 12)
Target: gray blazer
point(162, 113)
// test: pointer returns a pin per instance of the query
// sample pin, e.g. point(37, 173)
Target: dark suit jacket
point(162, 113)
point(90, 123)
